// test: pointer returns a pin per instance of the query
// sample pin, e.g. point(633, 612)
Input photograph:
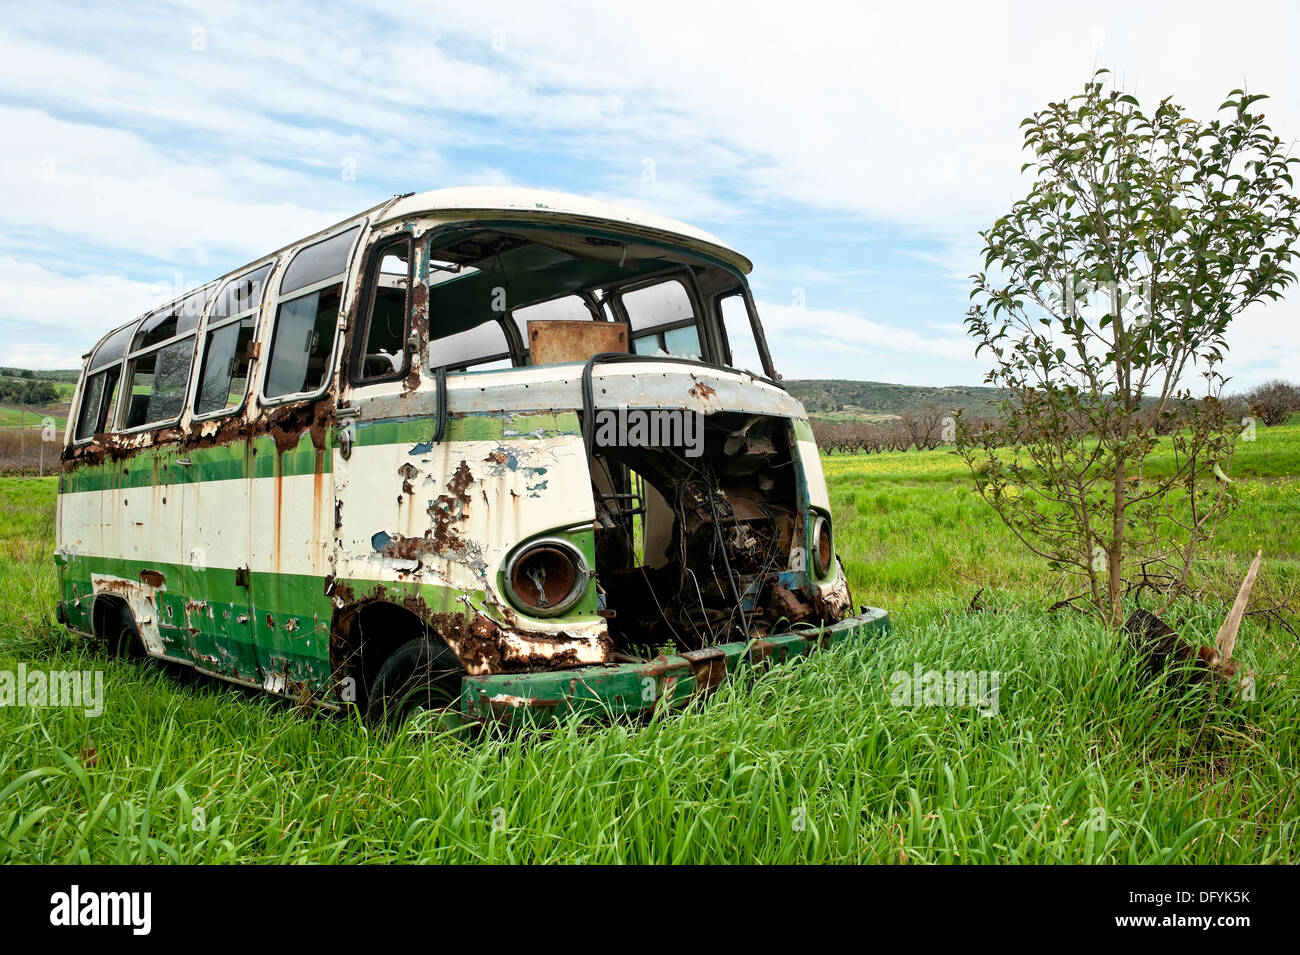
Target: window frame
point(741, 293)
point(208, 325)
point(130, 357)
point(75, 419)
point(110, 424)
point(369, 292)
point(686, 277)
point(280, 298)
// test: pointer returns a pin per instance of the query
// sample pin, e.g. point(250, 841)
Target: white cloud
point(829, 334)
point(65, 314)
point(898, 115)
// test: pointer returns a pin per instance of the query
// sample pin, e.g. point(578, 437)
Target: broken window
point(158, 374)
point(383, 348)
point(480, 348)
point(96, 400)
point(156, 392)
point(223, 379)
point(240, 294)
point(303, 343)
point(663, 321)
point(167, 323)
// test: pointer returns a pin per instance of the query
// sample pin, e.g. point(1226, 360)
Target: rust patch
point(408, 474)
point(783, 602)
point(285, 425)
point(709, 667)
point(419, 334)
point(702, 391)
point(153, 578)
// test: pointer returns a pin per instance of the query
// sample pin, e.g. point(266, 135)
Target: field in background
point(31, 418)
point(809, 762)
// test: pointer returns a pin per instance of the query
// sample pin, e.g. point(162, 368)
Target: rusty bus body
point(339, 474)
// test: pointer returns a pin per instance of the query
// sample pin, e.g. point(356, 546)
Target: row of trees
point(930, 425)
point(924, 429)
point(27, 391)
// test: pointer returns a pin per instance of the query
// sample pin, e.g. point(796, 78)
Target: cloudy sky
point(851, 152)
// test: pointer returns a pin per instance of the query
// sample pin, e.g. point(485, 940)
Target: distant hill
point(840, 399)
point(832, 399)
point(48, 374)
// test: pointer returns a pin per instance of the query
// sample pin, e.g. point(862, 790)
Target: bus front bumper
point(622, 689)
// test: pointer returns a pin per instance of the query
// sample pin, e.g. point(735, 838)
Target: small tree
point(1275, 400)
point(1116, 280)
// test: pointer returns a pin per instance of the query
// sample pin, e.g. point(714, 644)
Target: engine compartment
point(701, 545)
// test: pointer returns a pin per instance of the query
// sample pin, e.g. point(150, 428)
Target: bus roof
point(536, 205)
point(541, 205)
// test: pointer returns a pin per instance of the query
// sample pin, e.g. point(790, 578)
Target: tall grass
point(811, 762)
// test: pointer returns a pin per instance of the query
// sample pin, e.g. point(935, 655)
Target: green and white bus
point(415, 461)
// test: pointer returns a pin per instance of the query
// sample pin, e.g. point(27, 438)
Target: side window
point(96, 400)
point(382, 351)
point(223, 379)
point(663, 322)
point(740, 333)
point(227, 343)
point(161, 359)
point(102, 373)
point(158, 380)
point(481, 348)
point(302, 343)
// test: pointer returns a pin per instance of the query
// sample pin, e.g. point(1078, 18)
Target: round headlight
point(546, 578)
point(823, 548)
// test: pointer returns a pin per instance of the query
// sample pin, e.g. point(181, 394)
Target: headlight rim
point(581, 577)
point(822, 530)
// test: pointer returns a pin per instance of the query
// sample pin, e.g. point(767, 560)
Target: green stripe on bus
point(471, 427)
point(259, 458)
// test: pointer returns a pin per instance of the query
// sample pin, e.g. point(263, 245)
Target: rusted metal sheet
point(556, 342)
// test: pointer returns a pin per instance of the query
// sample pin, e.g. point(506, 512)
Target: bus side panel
point(121, 535)
point(218, 615)
point(290, 507)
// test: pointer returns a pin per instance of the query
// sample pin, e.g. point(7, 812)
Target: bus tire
point(419, 675)
point(124, 640)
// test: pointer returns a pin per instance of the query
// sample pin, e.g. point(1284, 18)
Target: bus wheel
point(418, 676)
point(124, 640)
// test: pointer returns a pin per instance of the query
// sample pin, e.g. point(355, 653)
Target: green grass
point(14, 418)
point(1083, 762)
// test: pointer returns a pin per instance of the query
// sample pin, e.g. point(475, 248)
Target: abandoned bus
point(492, 452)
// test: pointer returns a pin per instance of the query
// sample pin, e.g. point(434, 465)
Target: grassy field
point(15, 417)
point(1083, 762)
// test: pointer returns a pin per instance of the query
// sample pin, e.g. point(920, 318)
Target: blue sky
point(852, 152)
